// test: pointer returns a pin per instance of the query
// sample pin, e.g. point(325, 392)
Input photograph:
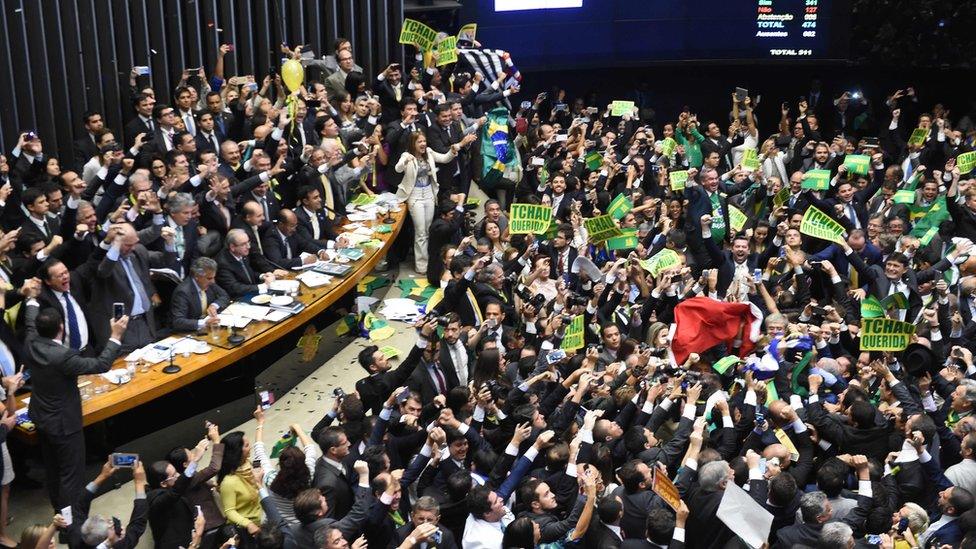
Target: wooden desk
point(147, 386)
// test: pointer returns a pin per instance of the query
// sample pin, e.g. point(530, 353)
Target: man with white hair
point(816, 511)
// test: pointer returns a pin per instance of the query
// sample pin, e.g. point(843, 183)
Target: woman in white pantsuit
point(419, 188)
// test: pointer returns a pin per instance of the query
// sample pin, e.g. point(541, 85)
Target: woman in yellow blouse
point(238, 490)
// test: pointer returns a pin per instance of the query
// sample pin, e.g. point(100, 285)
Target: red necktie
point(442, 386)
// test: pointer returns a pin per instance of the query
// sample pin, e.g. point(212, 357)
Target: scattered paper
point(254, 312)
point(746, 518)
point(277, 315)
point(403, 309)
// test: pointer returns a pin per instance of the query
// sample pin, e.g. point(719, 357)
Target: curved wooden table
point(147, 386)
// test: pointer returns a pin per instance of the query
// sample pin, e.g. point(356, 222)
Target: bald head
point(287, 222)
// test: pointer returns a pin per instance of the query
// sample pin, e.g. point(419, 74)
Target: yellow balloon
point(293, 74)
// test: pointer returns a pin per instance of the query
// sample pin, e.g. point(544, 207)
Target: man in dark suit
point(426, 511)
point(382, 379)
point(208, 137)
point(428, 378)
point(63, 291)
point(185, 232)
point(85, 148)
point(869, 253)
point(397, 133)
point(142, 123)
point(122, 276)
point(560, 200)
point(234, 271)
point(897, 276)
point(38, 222)
point(286, 247)
point(442, 135)
point(55, 405)
point(254, 224)
point(816, 512)
point(313, 221)
point(331, 475)
point(850, 206)
point(445, 229)
point(716, 142)
point(457, 355)
point(604, 532)
point(197, 299)
point(661, 530)
point(217, 207)
point(737, 264)
point(389, 89)
point(561, 252)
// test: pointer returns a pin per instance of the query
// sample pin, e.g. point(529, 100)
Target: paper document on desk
point(254, 312)
point(117, 376)
point(277, 315)
point(355, 238)
point(287, 286)
point(313, 279)
point(231, 321)
point(362, 216)
point(365, 231)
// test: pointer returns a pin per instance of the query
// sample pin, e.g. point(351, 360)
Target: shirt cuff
point(864, 488)
point(511, 450)
point(924, 456)
point(115, 341)
point(262, 288)
point(531, 453)
point(265, 177)
point(386, 499)
point(755, 474)
point(191, 469)
point(727, 422)
point(586, 435)
point(385, 413)
point(463, 428)
point(678, 535)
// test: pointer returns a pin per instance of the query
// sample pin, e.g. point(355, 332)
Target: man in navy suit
point(856, 240)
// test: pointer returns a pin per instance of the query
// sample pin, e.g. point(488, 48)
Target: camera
point(339, 393)
point(566, 319)
point(599, 348)
point(496, 389)
point(537, 300)
point(575, 300)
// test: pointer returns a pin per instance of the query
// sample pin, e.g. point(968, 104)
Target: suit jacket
point(111, 285)
point(185, 304)
point(441, 139)
point(132, 129)
point(327, 229)
point(644, 544)
point(236, 278)
point(170, 516)
point(376, 388)
point(274, 205)
point(206, 142)
point(600, 536)
point(277, 250)
point(335, 486)
point(256, 254)
point(303, 535)
point(28, 227)
point(448, 541)
point(55, 405)
point(421, 382)
point(47, 298)
point(84, 150)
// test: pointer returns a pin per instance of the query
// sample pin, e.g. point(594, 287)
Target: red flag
point(701, 323)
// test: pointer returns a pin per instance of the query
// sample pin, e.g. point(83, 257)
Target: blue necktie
point(140, 300)
point(74, 336)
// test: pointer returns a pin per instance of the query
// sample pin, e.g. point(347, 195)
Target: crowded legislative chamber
point(487, 274)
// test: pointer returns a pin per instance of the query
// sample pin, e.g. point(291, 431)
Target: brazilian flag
point(497, 149)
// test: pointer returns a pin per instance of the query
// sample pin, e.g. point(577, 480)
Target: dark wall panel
point(63, 57)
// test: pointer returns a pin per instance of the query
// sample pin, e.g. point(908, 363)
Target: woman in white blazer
point(419, 188)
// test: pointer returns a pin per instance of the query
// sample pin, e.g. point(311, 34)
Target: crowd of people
point(494, 431)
